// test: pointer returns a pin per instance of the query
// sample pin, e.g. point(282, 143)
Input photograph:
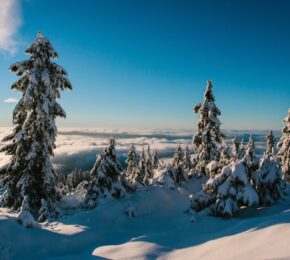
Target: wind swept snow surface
point(160, 229)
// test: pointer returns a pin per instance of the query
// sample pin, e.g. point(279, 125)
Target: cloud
point(10, 21)
point(10, 100)
point(77, 148)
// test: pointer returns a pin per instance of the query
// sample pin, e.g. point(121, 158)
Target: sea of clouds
point(78, 147)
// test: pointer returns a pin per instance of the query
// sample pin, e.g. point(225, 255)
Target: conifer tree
point(252, 162)
point(105, 177)
point(270, 148)
point(177, 163)
point(208, 137)
point(235, 149)
point(133, 173)
point(143, 166)
point(30, 174)
point(155, 160)
point(149, 172)
point(284, 146)
point(187, 163)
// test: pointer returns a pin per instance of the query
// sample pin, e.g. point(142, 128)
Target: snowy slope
point(160, 229)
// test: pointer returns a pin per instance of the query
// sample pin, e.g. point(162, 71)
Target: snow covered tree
point(208, 137)
point(133, 173)
point(143, 165)
point(25, 217)
point(227, 192)
point(250, 159)
point(269, 181)
point(177, 163)
point(30, 174)
point(270, 149)
point(105, 177)
point(235, 149)
point(75, 178)
point(149, 167)
point(155, 160)
point(43, 211)
point(284, 146)
point(187, 163)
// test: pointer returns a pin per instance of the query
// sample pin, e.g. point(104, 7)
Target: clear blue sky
point(144, 64)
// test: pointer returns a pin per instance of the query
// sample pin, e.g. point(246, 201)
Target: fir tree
point(208, 138)
point(284, 146)
point(133, 173)
point(105, 177)
point(268, 180)
point(227, 192)
point(155, 160)
point(252, 162)
point(187, 163)
point(25, 217)
point(30, 174)
point(235, 149)
point(177, 163)
point(270, 149)
point(143, 166)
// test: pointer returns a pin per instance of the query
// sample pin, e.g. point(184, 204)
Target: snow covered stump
point(29, 176)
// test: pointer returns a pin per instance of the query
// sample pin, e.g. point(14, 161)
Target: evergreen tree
point(177, 163)
point(155, 160)
point(268, 180)
point(133, 173)
point(187, 163)
point(75, 178)
point(25, 217)
point(143, 166)
point(270, 149)
point(30, 174)
point(227, 192)
point(208, 138)
point(235, 149)
point(105, 177)
point(252, 162)
point(284, 146)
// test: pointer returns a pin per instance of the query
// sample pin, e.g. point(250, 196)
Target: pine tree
point(270, 149)
point(284, 146)
point(235, 149)
point(133, 173)
point(177, 163)
point(227, 192)
point(155, 160)
point(25, 217)
point(105, 177)
point(143, 166)
point(187, 163)
point(208, 138)
point(30, 174)
point(252, 162)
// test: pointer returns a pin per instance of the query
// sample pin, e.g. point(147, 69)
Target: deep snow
point(161, 229)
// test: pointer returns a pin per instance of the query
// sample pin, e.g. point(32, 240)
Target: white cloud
point(10, 100)
point(77, 148)
point(10, 21)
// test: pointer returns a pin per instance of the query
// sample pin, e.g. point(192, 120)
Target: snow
point(160, 228)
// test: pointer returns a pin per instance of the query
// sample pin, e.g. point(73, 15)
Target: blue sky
point(144, 64)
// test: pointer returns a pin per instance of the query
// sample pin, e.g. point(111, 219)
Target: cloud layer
point(77, 148)
point(10, 21)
